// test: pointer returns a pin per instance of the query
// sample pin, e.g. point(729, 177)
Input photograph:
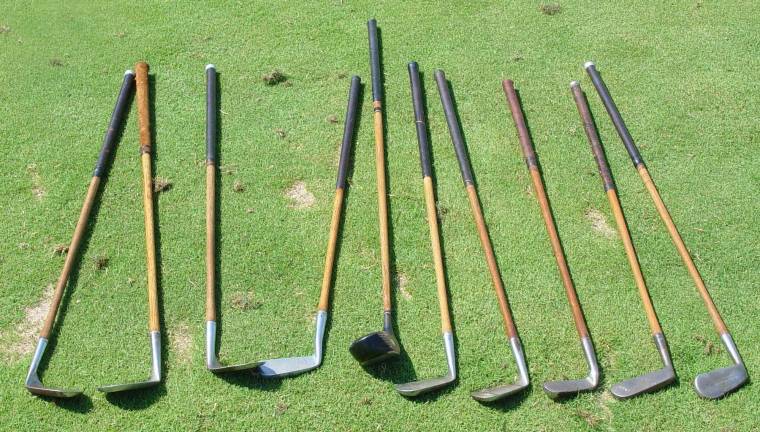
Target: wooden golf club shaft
point(340, 186)
point(143, 118)
point(109, 143)
point(472, 195)
point(540, 190)
point(427, 179)
point(382, 198)
point(617, 211)
point(211, 160)
point(638, 162)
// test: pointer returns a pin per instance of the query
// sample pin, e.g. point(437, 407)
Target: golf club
point(212, 363)
point(418, 387)
point(32, 382)
point(499, 392)
point(143, 117)
point(381, 345)
point(554, 389)
point(719, 382)
point(282, 367)
point(666, 375)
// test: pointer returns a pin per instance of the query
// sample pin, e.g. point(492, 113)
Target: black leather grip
point(117, 119)
point(615, 116)
point(592, 135)
point(212, 112)
point(374, 60)
point(348, 130)
point(454, 130)
point(419, 120)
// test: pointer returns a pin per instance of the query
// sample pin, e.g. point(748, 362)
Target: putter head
point(652, 381)
point(283, 367)
point(719, 382)
point(499, 392)
point(212, 363)
point(33, 383)
point(559, 389)
point(416, 388)
point(378, 346)
point(155, 370)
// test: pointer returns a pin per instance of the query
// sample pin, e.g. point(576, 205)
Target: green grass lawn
point(681, 72)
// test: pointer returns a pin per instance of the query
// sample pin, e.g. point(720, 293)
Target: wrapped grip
point(419, 119)
point(117, 120)
point(593, 136)
point(212, 112)
point(354, 96)
point(519, 118)
point(374, 60)
point(454, 130)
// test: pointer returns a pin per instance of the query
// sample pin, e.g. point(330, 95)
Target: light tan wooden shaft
point(435, 241)
point(382, 205)
point(324, 294)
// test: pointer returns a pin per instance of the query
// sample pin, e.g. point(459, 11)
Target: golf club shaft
point(143, 114)
point(109, 143)
point(617, 211)
point(472, 195)
point(540, 190)
point(382, 198)
point(638, 162)
point(432, 214)
point(211, 152)
point(340, 186)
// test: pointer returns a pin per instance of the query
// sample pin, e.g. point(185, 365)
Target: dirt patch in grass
point(60, 249)
point(550, 8)
point(22, 340)
point(280, 408)
point(709, 347)
point(56, 62)
point(280, 132)
point(238, 186)
point(599, 223)
point(161, 184)
point(181, 342)
point(37, 189)
point(332, 118)
point(274, 77)
point(244, 301)
point(100, 262)
point(4, 29)
point(301, 198)
point(401, 282)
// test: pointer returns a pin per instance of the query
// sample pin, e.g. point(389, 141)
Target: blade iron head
point(417, 388)
point(289, 366)
point(523, 381)
point(560, 389)
point(212, 362)
point(719, 382)
point(651, 381)
point(155, 370)
point(33, 383)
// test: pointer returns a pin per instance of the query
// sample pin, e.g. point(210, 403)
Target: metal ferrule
point(210, 344)
point(38, 352)
point(728, 342)
point(451, 359)
point(588, 352)
point(319, 336)
point(155, 356)
point(388, 322)
point(662, 348)
point(517, 352)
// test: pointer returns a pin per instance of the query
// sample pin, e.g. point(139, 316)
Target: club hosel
point(115, 124)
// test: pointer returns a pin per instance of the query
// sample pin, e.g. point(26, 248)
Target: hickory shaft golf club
point(494, 393)
point(295, 365)
point(418, 387)
point(662, 377)
point(719, 382)
point(554, 389)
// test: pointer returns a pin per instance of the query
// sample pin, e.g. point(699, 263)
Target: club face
point(116, 388)
point(718, 383)
point(155, 370)
point(283, 367)
point(212, 362)
point(417, 388)
point(374, 348)
point(565, 388)
point(652, 381)
point(499, 392)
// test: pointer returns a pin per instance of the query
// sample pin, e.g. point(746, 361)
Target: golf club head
point(33, 383)
point(500, 392)
point(719, 382)
point(283, 367)
point(416, 388)
point(212, 363)
point(378, 346)
point(651, 381)
point(155, 370)
point(559, 389)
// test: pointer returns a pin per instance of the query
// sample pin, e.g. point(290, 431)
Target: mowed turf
point(681, 73)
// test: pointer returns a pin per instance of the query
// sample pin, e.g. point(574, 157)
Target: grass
point(679, 72)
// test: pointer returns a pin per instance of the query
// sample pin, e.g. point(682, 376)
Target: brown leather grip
point(143, 106)
point(522, 129)
point(593, 137)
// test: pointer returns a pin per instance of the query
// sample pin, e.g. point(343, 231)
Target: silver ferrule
point(155, 356)
point(588, 64)
point(728, 342)
point(451, 358)
point(388, 322)
point(319, 336)
point(210, 344)
point(662, 348)
point(38, 352)
point(517, 352)
point(588, 352)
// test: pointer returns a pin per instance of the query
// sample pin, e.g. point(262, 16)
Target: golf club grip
point(348, 130)
point(117, 120)
point(419, 120)
point(522, 129)
point(374, 60)
point(454, 130)
point(615, 116)
point(592, 135)
point(143, 106)
point(212, 112)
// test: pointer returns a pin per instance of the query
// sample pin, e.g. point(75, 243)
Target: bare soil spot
point(280, 408)
point(244, 301)
point(249, 210)
point(274, 77)
point(161, 184)
point(24, 337)
point(238, 186)
point(441, 210)
point(280, 132)
point(181, 342)
point(37, 189)
point(709, 347)
point(100, 262)
point(4, 29)
point(591, 419)
point(401, 282)
point(56, 62)
point(550, 8)
point(332, 118)
point(60, 249)
point(301, 197)
point(599, 223)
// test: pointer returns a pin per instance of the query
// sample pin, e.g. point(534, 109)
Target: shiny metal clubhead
point(653, 380)
point(499, 392)
point(378, 346)
point(212, 363)
point(559, 389)
point(155, 370)
point(33, 383)
point(416, 388)
point(282, 367)
point(719, 382)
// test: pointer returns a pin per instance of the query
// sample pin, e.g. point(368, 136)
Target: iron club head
point(499, 392)
point(33, 383)
point(282, 367)
point(416, 388)
point(719, 382)
point(378, 346)
point(651, 381)
point(559, 389)
point(155, 370)
point(212, 363)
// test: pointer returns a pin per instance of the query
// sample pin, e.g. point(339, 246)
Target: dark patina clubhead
point(652, 381)
point(566, 388)
point(33, 383)
point(155, 370)
point(719, 382)
point(378, 346)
